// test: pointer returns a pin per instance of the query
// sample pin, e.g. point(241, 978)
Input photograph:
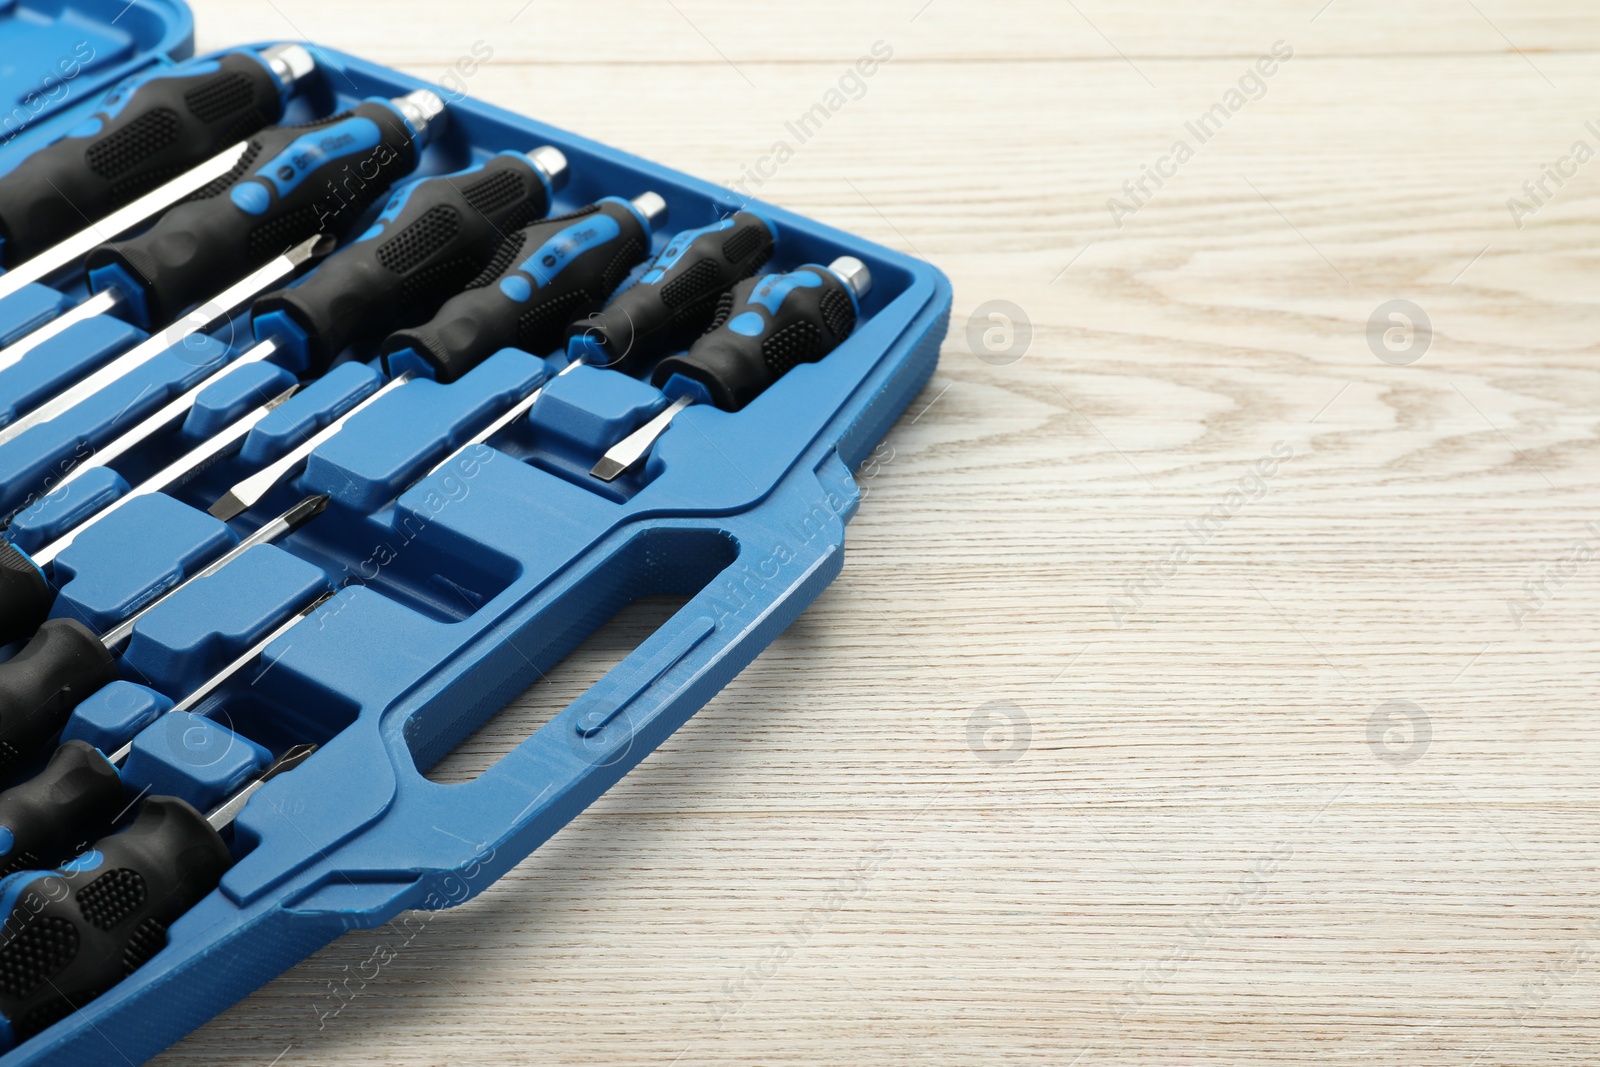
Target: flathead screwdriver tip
point(608, 469)
point(228, 508)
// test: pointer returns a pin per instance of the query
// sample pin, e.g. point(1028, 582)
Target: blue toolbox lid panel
point(58, 58)
point(460, 575)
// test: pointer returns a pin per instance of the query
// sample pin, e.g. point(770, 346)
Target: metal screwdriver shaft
point(222, 308)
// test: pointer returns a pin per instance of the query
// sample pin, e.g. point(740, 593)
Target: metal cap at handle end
point(289, 63)
point(425, 110)
point(853, 273)
point(653, 207)
point(552, 163)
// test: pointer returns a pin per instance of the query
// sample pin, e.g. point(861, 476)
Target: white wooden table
point(1202, 688)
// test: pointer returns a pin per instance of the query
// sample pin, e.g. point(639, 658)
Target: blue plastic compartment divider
point(457, 589)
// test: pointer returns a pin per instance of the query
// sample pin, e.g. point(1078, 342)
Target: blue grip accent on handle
point(749, 324)
point(558, 253)
point(251, 198)
point(676, 248)
point(283, 173)
point(774, 289)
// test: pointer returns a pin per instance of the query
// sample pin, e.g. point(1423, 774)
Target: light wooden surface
point(1199, 841)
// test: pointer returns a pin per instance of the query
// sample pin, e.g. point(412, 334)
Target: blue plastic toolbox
point(452, 593)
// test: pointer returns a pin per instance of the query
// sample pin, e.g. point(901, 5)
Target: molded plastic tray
point(455, 592)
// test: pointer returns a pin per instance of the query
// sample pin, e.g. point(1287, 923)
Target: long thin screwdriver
point(222, 308)
point(66, 662)
point(26, 595)
point(106, 172)
point(279, 200)
point(79, 789)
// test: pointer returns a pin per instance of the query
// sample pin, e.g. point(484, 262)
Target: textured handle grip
point(433, 238)
point(764, 328)
point(71, 935)
point(542, 277)
point(39, 687)
point(25, 596)
point(676, 299)
point(59, 810)
point(145, 134)
point(296, 182)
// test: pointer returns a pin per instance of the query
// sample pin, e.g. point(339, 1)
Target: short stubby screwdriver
point(433, 236)
point(151, 131)
point(65, 662)
point(295, 182)
point(80, 790)
point(542, 278)
point(764, 327)
point(676, 299)
point(70, 935)
point(26, 596)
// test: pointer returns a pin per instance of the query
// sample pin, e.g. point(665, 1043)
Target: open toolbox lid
point(58, 58)
point(483, 574)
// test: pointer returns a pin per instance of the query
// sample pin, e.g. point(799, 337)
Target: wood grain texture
point(973, 808)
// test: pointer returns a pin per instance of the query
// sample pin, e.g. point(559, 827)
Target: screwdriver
point(43, 819)
point(297, 181)
point(677, 297)
point(542, 277)
point(433, 236)
point(156, 139)
point(25, 594)
point(763, 328)
point(72, 934)
point(218, 310)
point(65, 662)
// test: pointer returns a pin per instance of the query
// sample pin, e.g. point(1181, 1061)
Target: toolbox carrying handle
point(436, 845)
point(539, 786)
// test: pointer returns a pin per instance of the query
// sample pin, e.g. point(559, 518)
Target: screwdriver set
point(333, 413)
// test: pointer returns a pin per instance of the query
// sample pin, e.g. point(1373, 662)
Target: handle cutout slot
point(658, 570)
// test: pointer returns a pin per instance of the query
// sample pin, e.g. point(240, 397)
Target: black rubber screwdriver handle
point(39, 687)
point(764, 328)
point(144, 134)
point(433, 238)
point(542, 278)
point(676, 299)
point(70, 935)
point(58, 811)
point(297, 182)
point(25, 595)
